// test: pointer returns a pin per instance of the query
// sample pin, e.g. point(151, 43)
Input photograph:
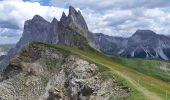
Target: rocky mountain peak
point(144, 33)
point(72, 10)
point(63, 17)
point(54, 20)
point(75, 19)
point(35, 21)
point(35, 29)
point(38, 18)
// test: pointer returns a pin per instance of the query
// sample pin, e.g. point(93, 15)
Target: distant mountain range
point(142, 44)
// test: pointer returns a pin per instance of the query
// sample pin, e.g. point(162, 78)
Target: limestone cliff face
point(44, 73)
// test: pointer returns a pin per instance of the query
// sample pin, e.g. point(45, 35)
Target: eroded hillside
point(45, 73)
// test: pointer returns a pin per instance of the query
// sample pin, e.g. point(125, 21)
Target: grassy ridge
point(145, 87)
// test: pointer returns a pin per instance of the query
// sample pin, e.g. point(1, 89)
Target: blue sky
point(111, 17)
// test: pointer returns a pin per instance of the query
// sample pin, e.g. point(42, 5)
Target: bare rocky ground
point(43, 73)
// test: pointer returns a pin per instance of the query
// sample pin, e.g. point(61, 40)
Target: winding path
point(146, 92)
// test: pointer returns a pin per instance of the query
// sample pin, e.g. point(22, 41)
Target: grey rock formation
point(53, 32)
point(44, 73)
point(61, 32)
point(147, 44)
point(75, 20)
point(71, 30)
point(35, 29)
point(142, 44)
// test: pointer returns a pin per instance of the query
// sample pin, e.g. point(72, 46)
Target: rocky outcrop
point(142, 44)
point(44, 73)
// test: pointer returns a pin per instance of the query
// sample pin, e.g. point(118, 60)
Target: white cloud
point(103, 5)
point(121, 22)
point(9, 36)
point(5, 32)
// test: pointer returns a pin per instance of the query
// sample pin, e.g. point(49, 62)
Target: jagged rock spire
point(53, 32)
point(54, 20)
point(72, 10)
point(63, 17)
point(74, 18)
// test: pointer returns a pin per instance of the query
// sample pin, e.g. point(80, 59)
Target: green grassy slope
point(144, 86)
point(156, 69)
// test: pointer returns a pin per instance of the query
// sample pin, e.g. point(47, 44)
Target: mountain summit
point(74, 19)
point(144, 33)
